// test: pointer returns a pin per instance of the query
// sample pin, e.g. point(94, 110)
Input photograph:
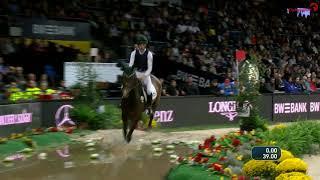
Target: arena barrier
point(172, 112)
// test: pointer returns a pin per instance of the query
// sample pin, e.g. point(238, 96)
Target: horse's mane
point(125, 68)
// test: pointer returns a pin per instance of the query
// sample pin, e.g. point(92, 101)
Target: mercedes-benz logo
point(66, 118)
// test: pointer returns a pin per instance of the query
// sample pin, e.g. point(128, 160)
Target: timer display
point(266, 153)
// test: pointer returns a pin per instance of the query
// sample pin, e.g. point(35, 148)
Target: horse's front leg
point(124, 125)
point(133, 125)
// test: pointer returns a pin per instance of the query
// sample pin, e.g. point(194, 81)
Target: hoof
point(128, 139)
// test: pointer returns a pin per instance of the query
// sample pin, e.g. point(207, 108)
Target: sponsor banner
point(195, 111)
point(106, 72)
point(314, 107)
point(19, 118)
point(181, 111)
point(172, 111)
point(55, 112)
point(200, 78)
point(291, 107)
point(53, 29)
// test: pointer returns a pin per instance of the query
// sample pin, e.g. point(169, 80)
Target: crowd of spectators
point(17, 85)
point(37, 56)
point(286, 46)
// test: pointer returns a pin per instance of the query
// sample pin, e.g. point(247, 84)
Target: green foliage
point(110, 118)
point(86, 82)
point(88, 102)
point(299, 138)
point(249, 85)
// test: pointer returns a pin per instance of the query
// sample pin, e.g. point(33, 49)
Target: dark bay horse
point(131, 103)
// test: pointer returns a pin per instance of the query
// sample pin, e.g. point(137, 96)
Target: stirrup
point(148, 110)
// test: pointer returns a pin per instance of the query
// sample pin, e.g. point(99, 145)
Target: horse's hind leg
point(124, 125)
point(150, 120)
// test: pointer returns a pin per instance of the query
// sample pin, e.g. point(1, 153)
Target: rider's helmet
point(141, 39)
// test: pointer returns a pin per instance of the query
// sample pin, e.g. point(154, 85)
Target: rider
point(142, 59)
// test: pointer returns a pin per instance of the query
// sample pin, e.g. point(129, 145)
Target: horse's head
point(129, 82)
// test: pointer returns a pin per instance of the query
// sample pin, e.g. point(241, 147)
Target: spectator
point(299, 85)
point(312, 82)
point(44, 80)
point(227, 88)
point(291, 87)
point(270, 86)
point(32, 77)
point(62, 86)
point(11, 75)
point(32, 91)
point(190, 88)
point(50, 73)
point(172, 88)
point(20, 77)
point(3, 69)
point(214, 88)
point(164, 88)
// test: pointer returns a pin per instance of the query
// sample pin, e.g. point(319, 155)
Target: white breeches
point(146, 81)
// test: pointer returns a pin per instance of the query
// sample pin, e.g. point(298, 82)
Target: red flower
point(197, 159)
point(217, 167)
point(205, 160)
point(236, 142)
point(39, 130)
point(53, 129)
point(241, 178)
point(199, 155)
point(207, 143)
point(219, 147)
point(212, 138)
point(200, 147)
point(69, 130)
point(180, 159)
point(222, 158)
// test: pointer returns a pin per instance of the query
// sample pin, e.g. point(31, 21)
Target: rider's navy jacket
point(141, 61)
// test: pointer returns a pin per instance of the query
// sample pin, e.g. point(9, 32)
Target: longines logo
point(65, 119)
point(225, 108)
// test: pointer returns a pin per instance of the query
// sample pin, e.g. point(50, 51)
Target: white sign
point(106, 72)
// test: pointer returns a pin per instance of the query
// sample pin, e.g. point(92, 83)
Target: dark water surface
point(121, 162)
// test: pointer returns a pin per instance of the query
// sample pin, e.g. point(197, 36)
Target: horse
point(133, 103)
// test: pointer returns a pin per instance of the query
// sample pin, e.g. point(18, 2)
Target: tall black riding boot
point(149, 104)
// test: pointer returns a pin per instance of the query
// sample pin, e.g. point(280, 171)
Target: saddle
point(143, 94)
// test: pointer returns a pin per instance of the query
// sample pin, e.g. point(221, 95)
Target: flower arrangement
point(3, 140)
point(15, 136)
point(28, 142)
point(292, 165)
point(293, 176)
point(37, 131)
point(225, 155)
point(285, 155)
point(280, 126)
point(259, 168)
point(230, 156)
point(52, 129)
